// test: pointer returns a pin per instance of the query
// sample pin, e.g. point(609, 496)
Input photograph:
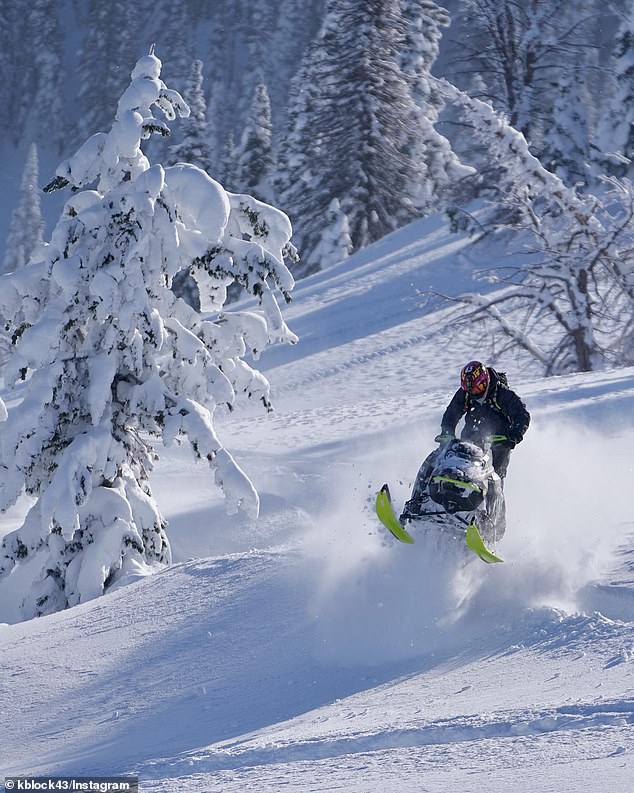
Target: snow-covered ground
point(306, 652)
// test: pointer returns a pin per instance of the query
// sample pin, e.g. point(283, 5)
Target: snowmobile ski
point(388, 518)
point(476, 544)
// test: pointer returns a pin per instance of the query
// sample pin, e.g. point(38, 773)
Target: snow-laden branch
point(580, 244)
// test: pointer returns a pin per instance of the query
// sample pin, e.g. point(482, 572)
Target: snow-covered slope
point(306, 652)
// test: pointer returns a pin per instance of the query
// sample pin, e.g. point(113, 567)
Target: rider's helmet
point(474, 378)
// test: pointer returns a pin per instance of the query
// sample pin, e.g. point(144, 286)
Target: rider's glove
point(514, 438)
point(444, 437)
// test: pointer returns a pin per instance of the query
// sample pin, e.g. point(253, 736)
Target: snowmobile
point(458, 492)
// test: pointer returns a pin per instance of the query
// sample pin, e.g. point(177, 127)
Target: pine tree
point(349, 119)
point(26, 227)
point(254, 155)
point(194, 144)
point(334, 243)
point(111, 362)
point(424, 21)
point(361, 124)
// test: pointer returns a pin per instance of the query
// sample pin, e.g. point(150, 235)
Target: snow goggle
point(478, 388)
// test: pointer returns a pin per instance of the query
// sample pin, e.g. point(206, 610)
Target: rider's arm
point(519, 418)
point(454, 412)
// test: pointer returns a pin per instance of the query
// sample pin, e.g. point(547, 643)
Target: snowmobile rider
point(490, 407)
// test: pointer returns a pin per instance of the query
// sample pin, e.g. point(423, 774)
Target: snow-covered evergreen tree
point(334, 244)
point(27, 226)
point(243, 39)
point(424, 20)
point(350, 129)
point(193, 146)
point(254, 155)
point(111, 361)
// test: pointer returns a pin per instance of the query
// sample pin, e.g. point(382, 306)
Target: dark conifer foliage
point(349, 113)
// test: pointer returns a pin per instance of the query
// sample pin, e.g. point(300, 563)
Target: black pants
point(501, 457)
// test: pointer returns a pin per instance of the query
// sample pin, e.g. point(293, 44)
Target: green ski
point(388, 518)
point(476, 544)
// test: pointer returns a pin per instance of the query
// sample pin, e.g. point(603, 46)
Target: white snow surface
point(305, 651)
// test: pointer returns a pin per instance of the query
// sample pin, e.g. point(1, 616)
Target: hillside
point(309, 653)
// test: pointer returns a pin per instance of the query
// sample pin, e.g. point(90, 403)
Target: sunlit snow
point(306, 651)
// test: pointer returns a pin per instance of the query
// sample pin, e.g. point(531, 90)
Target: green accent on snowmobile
point(476, 544)
point(457, 482)
point(388, 518)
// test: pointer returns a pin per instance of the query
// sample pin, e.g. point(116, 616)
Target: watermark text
point(70, 784)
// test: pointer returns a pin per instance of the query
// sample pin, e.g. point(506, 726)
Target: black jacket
point(501, 412)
